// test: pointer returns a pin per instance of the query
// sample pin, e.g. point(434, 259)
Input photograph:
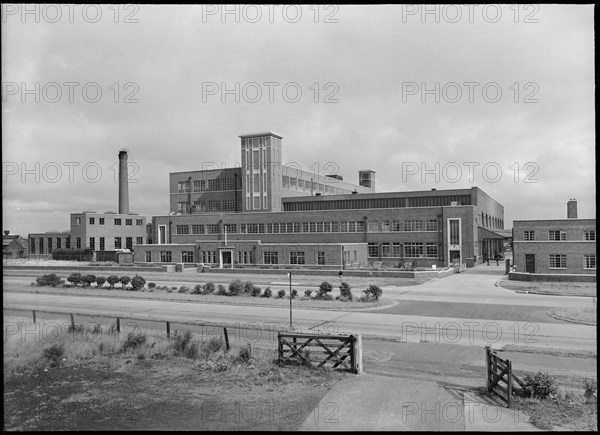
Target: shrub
point(182, 345)
point(540, 385)
point(281, 293)
point(248, 286)
point(245, 353)
point(345, 291)
point(197, 290)
point(133, 340)
point(590, 386)
point(124, 280)
point(221, 290)
point(255, 291)
point(51, 280)
point(54, 353)
point(88, 280)
point(213, 345)
point(100, 280)
point(151, 285)
point(325, 288)
point(294, 293)
point(324, 297)
point(112, 280)
point(74, 278)
point(208, 288)
point(236, 287)
point(183, 289)
point(137, 283)
point(267, 293)
point(168, 289)
point(307, 293)
point(373, 292)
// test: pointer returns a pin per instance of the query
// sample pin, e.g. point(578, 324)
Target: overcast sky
point(355, 86)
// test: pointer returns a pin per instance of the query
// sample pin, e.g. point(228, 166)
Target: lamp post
point(290, 275)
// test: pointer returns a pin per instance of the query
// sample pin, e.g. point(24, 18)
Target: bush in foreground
point(74, 278)
point(112, 280)
point(51, 280)
point(281, 293)
point(100, 280)
point(236, 287)
point(267, 293)
point(345, 291)
point(540, 385)
point(373, 293)
point(137, 283)
point(124, 280)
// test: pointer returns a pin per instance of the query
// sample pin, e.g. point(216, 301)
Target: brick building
point(266, 213)
point(555, 246)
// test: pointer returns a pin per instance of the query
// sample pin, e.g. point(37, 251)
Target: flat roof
point(265, 133)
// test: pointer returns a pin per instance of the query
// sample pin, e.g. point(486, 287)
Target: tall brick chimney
point(572, 209)
point(123, 184)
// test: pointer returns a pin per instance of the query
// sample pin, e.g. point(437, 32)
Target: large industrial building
point(98, 232)
point(266, 214)
point(555, 246)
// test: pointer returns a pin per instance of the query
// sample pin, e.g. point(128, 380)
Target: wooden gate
point(340, 352)
point(500, 370)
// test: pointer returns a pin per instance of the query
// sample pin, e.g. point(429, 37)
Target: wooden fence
point(342, 352)
point(500, 370)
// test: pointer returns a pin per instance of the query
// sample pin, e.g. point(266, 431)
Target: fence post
point(487, 368)
point(33, 316)
point(510, 381)
point(226, 337)
point(358, 349)
point(168, 330)
point(279, 348)
point(72, 322)
point(118, 325)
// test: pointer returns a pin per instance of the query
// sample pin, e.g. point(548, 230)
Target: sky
point(500, 97)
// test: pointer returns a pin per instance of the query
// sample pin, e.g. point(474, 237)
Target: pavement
point(371, 403)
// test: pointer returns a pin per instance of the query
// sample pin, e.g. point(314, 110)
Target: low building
point(555, 246)
point(14, 246)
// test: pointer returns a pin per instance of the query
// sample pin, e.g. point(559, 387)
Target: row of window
point(312, 227)
point(559, 261)
point(244, 257)
point(559, 235)
point(214, 185)
point(116, 221)
point(410, 250)
point(369, 203)
point(78, 243)
point(491, 221)
point(309, 186)
point(212, 205)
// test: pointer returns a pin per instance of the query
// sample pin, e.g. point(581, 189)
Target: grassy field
point(99, 380)
point(552, 288)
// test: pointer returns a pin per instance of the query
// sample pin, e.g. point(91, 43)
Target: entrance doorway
point(454, 257)
point(225, 259)
point(530, 263)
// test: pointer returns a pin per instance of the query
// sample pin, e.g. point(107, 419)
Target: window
point(351, 227)
point(589, 261)
point(373, 250)
point(396, 252)
point(230, 228)
point(102, 243)
point(270, 257)
point(297, 258)
point(556, 235)
point(413, 249)
point(139, 241)
point(557, 261)
point(360, 227)
point(148, 256)
point(129, 243)
point(77, 221)
point(117, 243)
point(183, 187)
point(199, 205)
point(41, 245)
point(252, 228)
point(431, 250)
point(187, 256)
point(183, 207)
point(117, 221)
point(214, 185)
point(101, 221)
point(49, 245)
point(528, 235)
point(373, 227)
point(319, 227)
point(93, 243)
point(199, 185)
point(395, 225)
point(209, 257)
point(58, 243)
point(385, 249)
point(454, 225)
point(165, 256)
point(214, 205)
point(431, 225)
point(212, 229)
point(343, 227)
point(198, 229)
point(129, 222)
point(320, 258)
point(590, 235)
point(385, 226)
point(182, 229)
point(92, 221)
point(413, 225)
point(228, 205)
point(334, 227)
point(313, 227)
point(67, 243)
point(78, 243)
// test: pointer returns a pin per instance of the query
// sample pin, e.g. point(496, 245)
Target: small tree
point(255, 291)
point(248, 286)
point(137, 283)
point(294, 293)
point(236, 287)
point(51, 280)
point(345, 291)
point(100, 280)
point(307, 293)
point(281, 293)
point(88, 280)
point(124, 280)
point(221, 290)
point(373, 292)
point(267, 293)
point(112, 280)
point(325, 290)
point(74, 278)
